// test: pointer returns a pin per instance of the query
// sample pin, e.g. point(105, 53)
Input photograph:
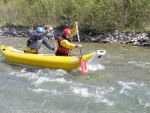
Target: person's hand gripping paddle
point(82, 62)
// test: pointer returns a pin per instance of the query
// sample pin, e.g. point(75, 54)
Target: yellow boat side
point(40, 60)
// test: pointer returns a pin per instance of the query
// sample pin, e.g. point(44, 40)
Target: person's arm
point(38, 36)
point(74, 29)
point(67, 44)
point(47, 44)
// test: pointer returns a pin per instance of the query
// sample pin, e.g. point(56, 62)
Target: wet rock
point(136, 43)
point(1, 31)
point(125, 37)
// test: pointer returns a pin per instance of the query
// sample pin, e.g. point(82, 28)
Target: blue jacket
point(36, 39)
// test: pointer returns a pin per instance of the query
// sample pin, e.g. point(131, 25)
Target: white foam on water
point(58, 72)
point(60, 80)
point(105, 101)
point(54, 92)
point(36, 74)
point(23, 70)
point(96, 92)
point(144, 103)
point(33, 76)
point(25, 75)
point(100, 95)
point(125, 86)
point(129, 86)
point(95, 67)
point(140, 64)
point(81, 91)
point(42, 76)
point(61, 72)
point(41, 80)
point(40, 90)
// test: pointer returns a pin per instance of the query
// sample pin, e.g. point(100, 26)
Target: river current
point(119, 84)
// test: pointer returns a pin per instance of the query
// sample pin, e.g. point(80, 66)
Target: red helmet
point(67, 31)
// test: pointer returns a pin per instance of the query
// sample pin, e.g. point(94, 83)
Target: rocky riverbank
point(124, 37)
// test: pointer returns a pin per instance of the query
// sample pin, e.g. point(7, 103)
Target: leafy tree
point(93, 15)
point(8, 11)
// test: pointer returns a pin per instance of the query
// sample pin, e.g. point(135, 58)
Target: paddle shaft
point(82, 62)
point(80, 52)
point(54, 39)
point(78, 33)
point(78, 38)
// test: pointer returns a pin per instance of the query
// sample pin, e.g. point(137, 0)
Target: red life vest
point(62, 49)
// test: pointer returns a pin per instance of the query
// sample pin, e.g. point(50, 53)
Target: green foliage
point(93, 15)
point(132, 12)
point(15, 26)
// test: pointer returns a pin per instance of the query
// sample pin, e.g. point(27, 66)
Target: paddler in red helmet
point(65, 45)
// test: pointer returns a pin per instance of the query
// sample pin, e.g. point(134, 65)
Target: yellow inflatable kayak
point(48, 61)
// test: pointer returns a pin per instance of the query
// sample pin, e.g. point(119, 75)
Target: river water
point(119, 84)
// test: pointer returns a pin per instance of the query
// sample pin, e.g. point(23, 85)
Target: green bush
point(93, 15)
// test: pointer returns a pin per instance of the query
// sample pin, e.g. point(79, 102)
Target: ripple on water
point(41, 77)
point(95, 92)
point(136, 92)
point(140, 64)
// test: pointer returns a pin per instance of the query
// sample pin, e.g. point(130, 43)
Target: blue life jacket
point(37, 44)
